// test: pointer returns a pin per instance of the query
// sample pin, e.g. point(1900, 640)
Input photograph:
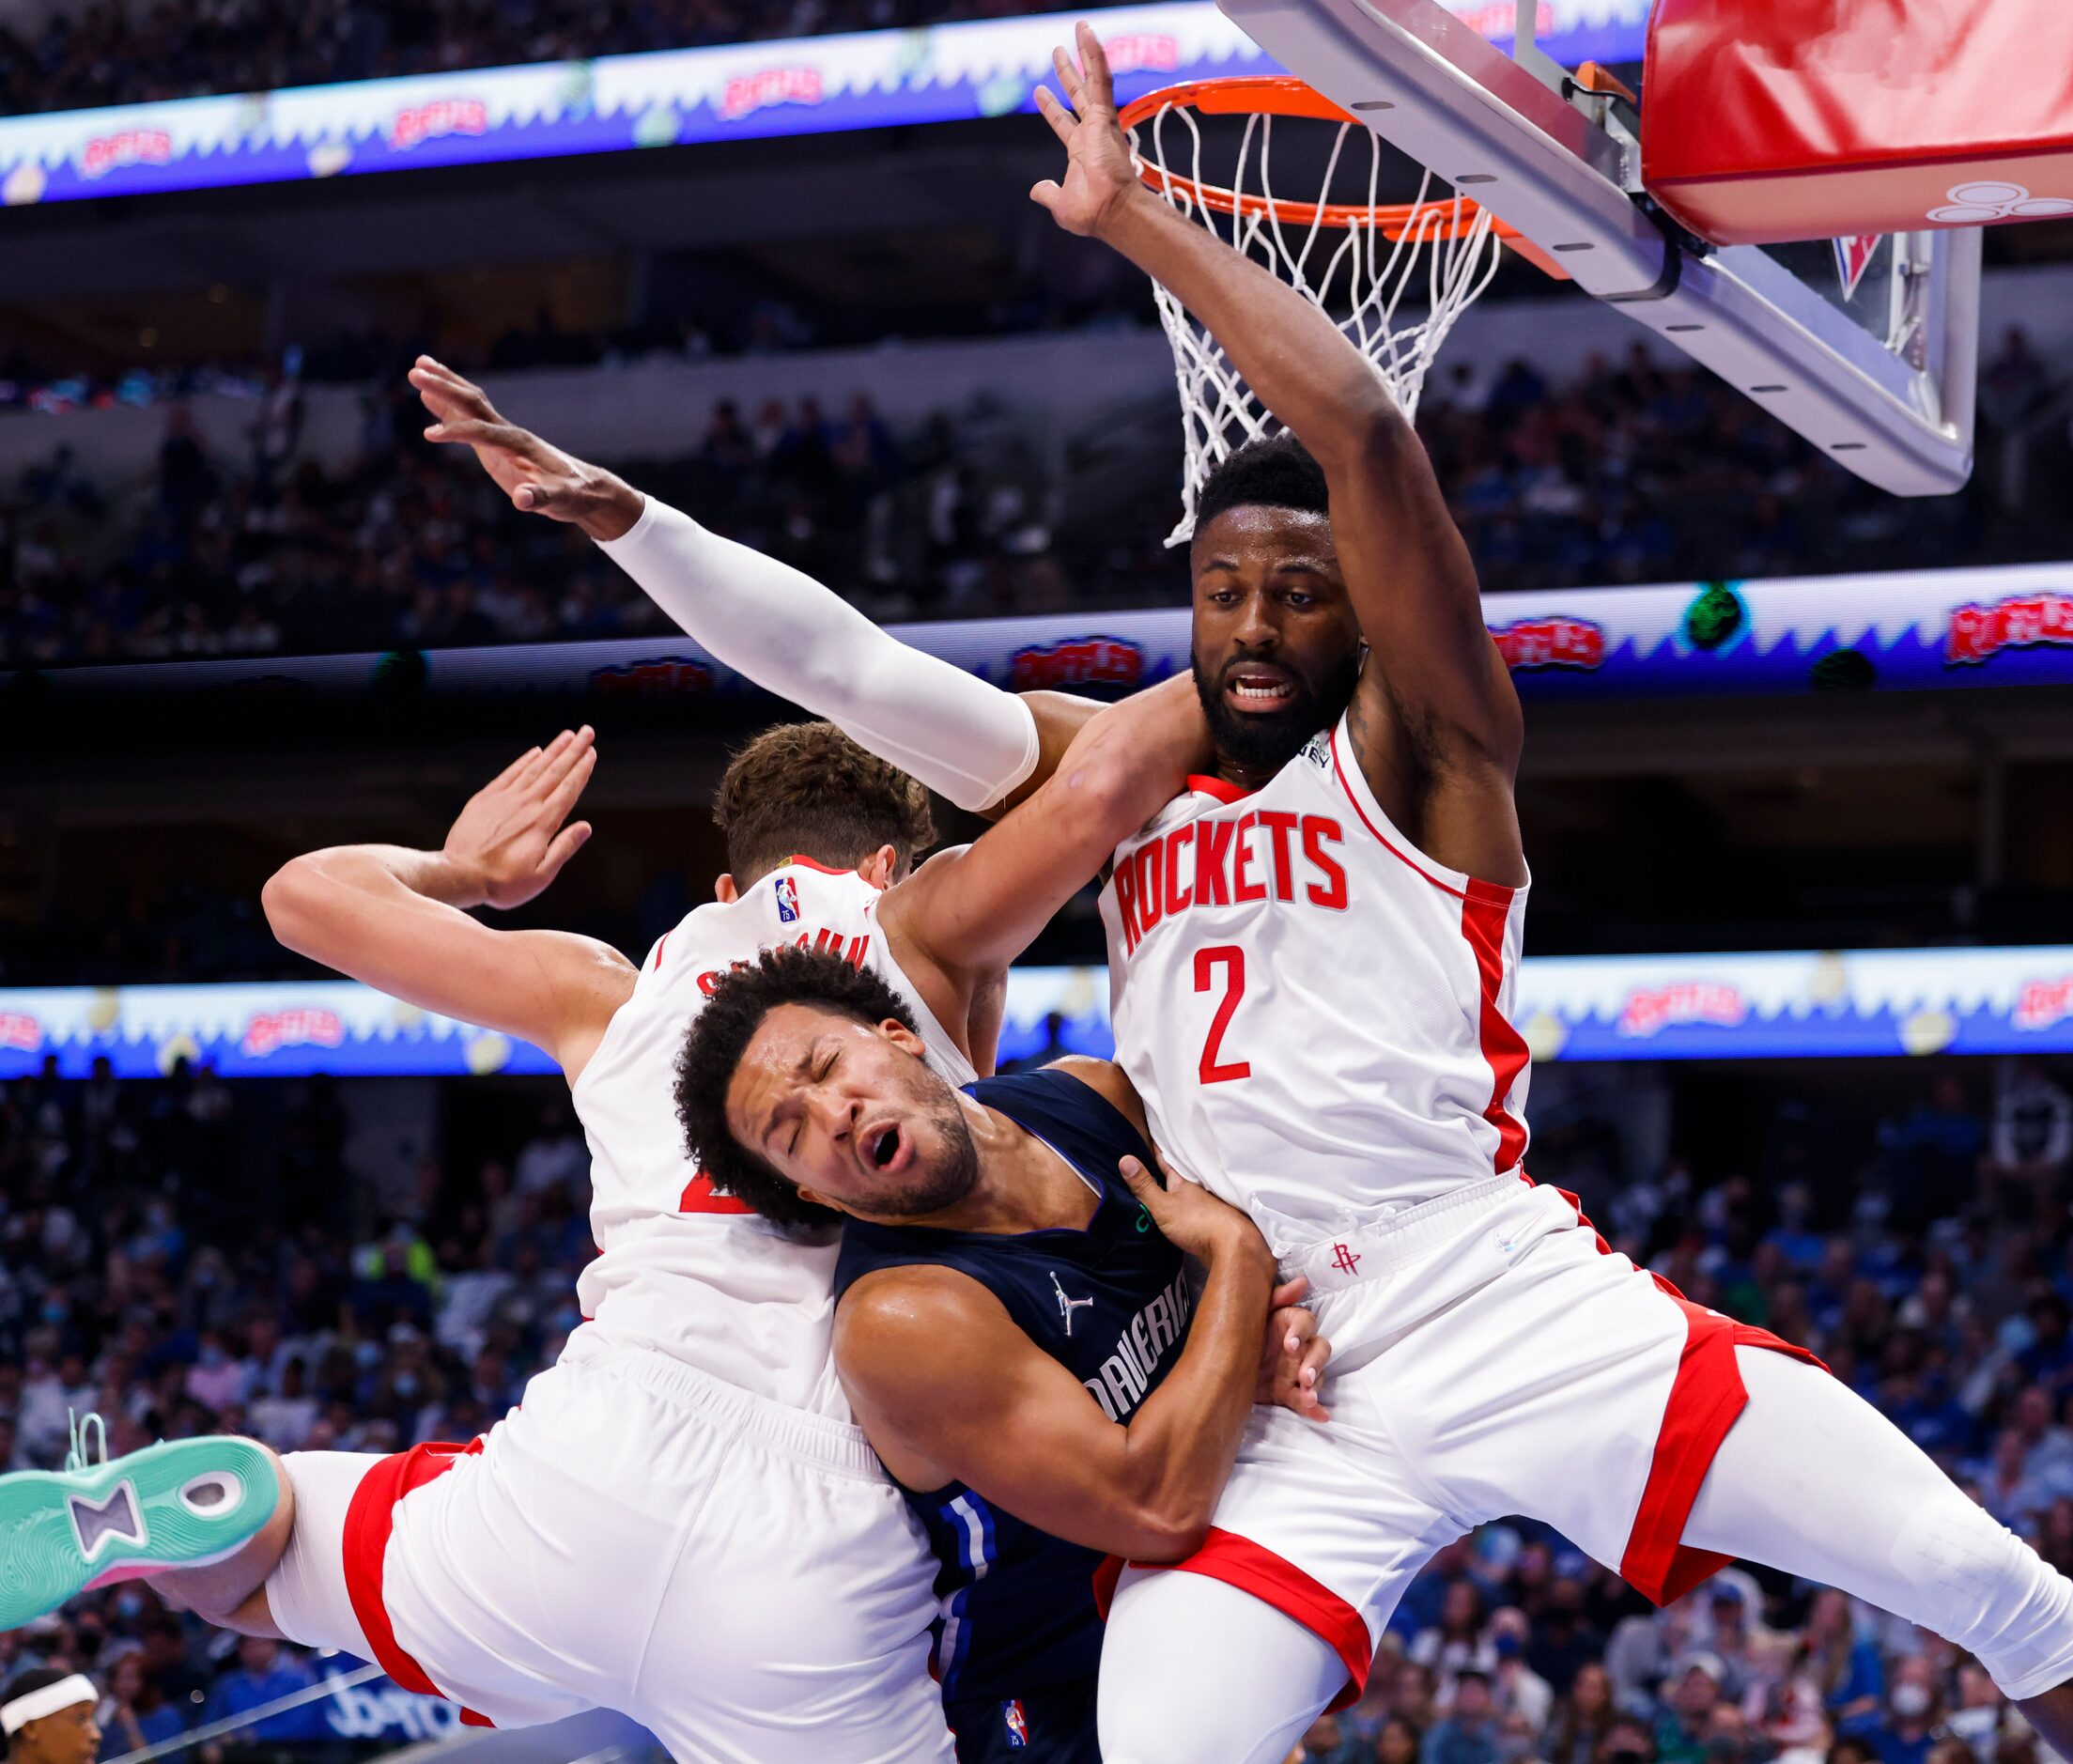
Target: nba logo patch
point(788, 900)
point(1016, 1722)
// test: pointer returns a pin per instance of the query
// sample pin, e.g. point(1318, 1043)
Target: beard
point(1267, 743)
point(947, 1178)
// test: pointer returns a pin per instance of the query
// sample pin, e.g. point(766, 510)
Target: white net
point(1363, 258)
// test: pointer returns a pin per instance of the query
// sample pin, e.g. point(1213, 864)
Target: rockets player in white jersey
point(1313, 957)
point(679, 1521)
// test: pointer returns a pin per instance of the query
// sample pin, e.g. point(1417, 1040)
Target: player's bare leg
point(232, 1593)
point(1814, 1480)
point(181, 1508)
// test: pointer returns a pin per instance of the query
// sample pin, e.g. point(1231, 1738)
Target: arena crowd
point(1630, 472)
point(190, 1255)
point(106, 52)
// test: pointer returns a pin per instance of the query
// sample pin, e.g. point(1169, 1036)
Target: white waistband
point(1398, 1234)
point(815, 1438)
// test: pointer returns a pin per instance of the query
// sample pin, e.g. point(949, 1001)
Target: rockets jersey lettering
point(680, 1267)
point(1111, 1304)
point(1319, 1018)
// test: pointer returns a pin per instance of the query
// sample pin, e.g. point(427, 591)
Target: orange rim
point(1278, 95)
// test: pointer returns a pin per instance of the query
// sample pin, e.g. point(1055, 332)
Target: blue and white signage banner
point(1796, 1004)
point(797, 85)
point(1912, 630)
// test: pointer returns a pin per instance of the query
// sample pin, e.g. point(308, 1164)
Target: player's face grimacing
point(850, 1114)
point(1277, 646)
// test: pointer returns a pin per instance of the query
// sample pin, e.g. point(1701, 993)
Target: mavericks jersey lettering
point(1111, 1303)
point(1317, 1016)
point(681, 1268)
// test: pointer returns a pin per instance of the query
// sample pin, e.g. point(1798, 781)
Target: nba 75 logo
point(1017, 1722)
point(788, 900)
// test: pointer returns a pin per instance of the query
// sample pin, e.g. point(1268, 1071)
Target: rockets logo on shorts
point(1017, 1722)
point(788, 900)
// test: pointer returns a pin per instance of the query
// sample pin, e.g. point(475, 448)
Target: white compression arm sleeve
point(964, 738)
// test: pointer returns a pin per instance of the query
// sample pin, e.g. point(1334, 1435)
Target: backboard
point(1881, 379)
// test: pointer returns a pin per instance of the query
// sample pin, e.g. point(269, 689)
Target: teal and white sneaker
point(179, 1504)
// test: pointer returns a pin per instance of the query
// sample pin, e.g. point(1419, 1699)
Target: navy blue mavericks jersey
point(1112, 1303)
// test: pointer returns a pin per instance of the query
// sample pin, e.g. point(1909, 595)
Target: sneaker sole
point(180, 1504)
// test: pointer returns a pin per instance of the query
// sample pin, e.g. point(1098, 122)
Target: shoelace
point(76, 1457)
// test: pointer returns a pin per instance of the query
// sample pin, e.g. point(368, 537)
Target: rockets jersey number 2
point(1317, 1016)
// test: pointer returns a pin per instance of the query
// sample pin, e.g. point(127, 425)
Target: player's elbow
point(1169, 1527)
point(1383, 436)
point(1370, 434)
point(289, 902)
point(1106, 788)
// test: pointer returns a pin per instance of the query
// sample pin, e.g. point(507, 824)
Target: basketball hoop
point(1451, 244)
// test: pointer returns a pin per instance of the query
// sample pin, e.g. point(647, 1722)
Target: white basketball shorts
point(740, 1578)
point(1491, 1356)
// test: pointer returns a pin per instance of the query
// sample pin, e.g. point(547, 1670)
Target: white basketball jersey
point(681, 1268)
point(1317, 1016)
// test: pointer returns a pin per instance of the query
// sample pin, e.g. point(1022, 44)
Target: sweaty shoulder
point(896, 1326)
point(1107, 1080)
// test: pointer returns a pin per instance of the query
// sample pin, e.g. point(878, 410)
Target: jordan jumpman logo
point(1067, 1306)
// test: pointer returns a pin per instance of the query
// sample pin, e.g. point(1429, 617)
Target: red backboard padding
point(1773, 120)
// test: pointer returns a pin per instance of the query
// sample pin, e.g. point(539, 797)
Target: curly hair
point(720, 1036)
point(1275, 472)
point(807, 787)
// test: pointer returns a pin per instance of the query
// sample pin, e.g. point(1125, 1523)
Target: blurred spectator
point(1981, 1717)
point(1844, 1662)
point(1398, 1742)
point(1684, 1728)
point(265, 1674)
point(1516, 1689)
point(1467, 1733)
point(1912, 1712)
point(1327, 1743)
point(1456, 1642)
point(1582, 1718)
point(556, 1159)
point(1627, 1742)
point(136, 1713)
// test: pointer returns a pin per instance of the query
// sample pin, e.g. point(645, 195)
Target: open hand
point(1291, 1363)
point(1191, 1218)
point(1100, 174)
point(539, 478)
point(509, 838)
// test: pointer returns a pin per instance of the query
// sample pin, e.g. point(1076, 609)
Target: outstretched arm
point(395, 919)
point(966, 914)
point(1436, 696)
point(982, 747)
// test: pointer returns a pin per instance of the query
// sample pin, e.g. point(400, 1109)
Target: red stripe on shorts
point(1705, 1397)
point(1272, 1580)
point(369, 1521)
